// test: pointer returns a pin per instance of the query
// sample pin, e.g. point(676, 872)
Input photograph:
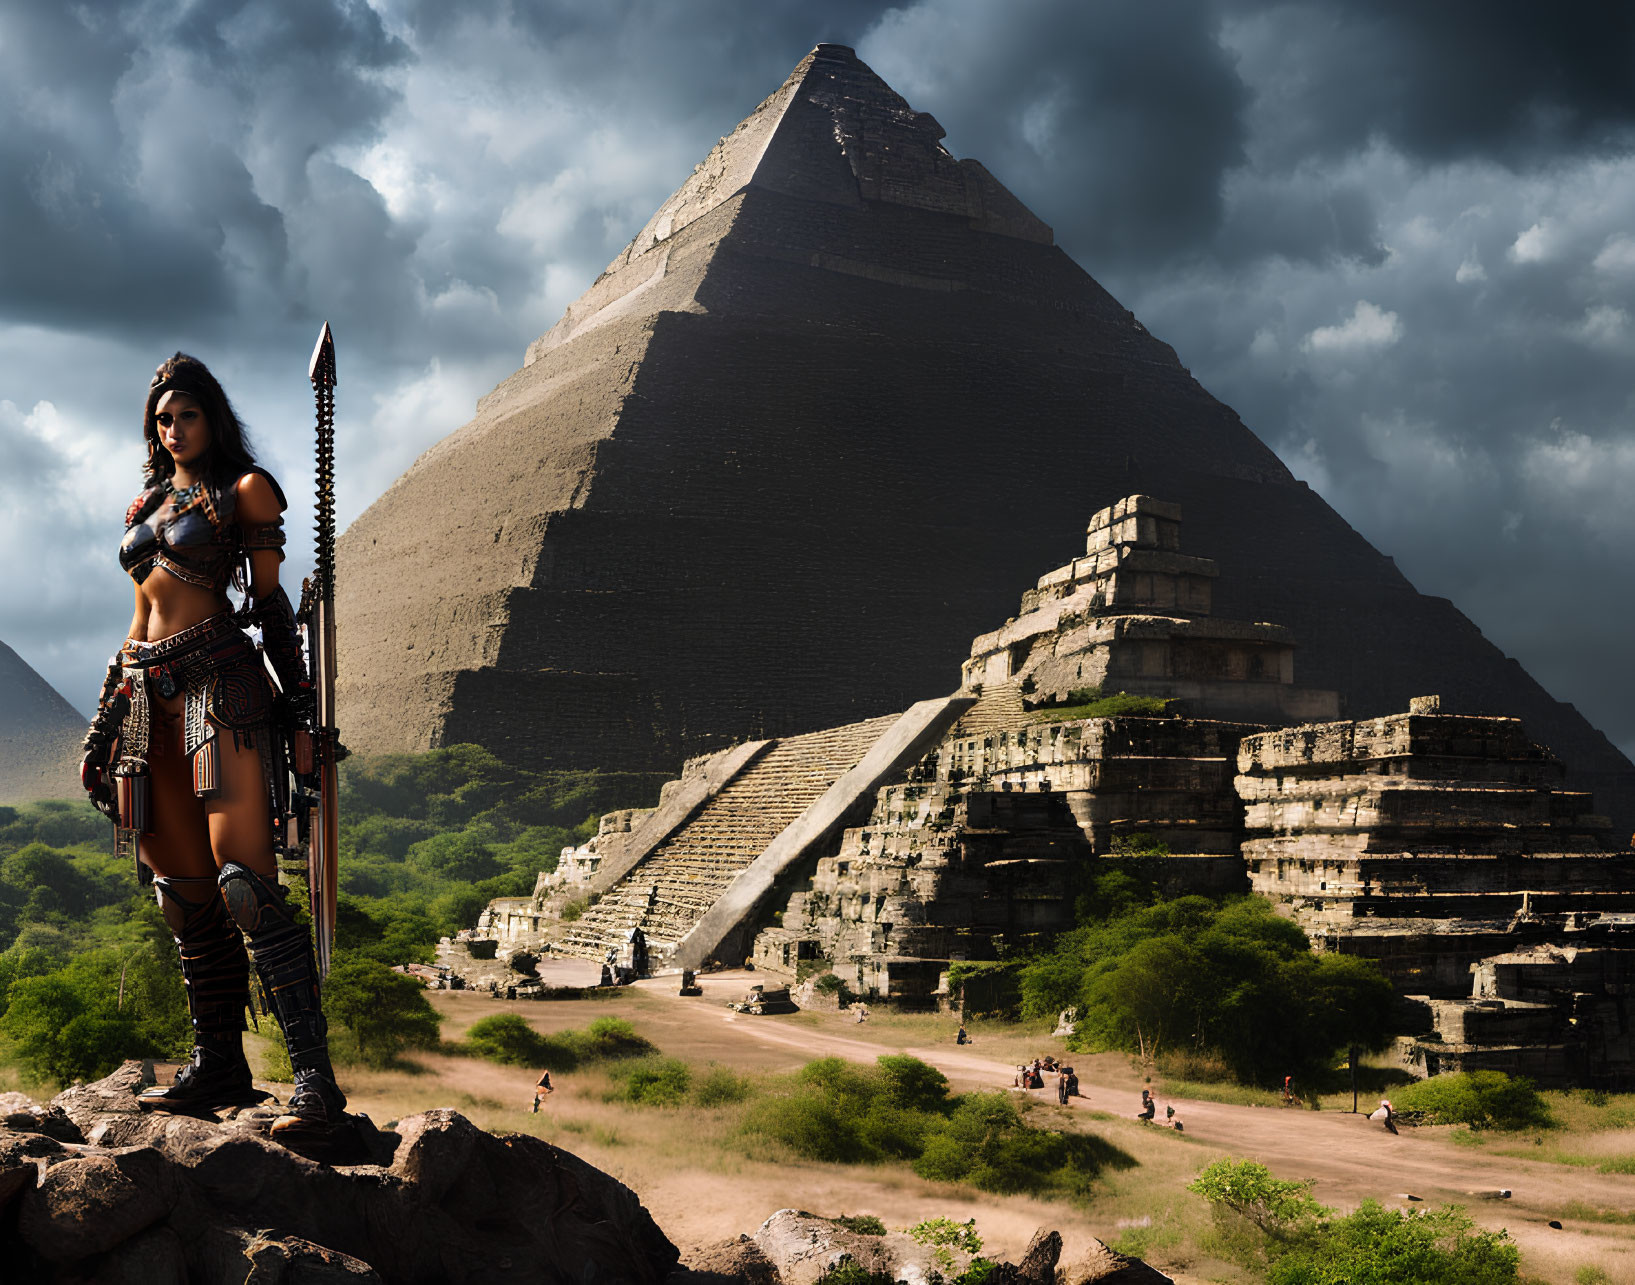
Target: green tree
point(386, 1012)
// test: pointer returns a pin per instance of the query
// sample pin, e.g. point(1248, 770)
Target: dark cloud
point(1118, 120)
point(1508, 80)
point(154, 156)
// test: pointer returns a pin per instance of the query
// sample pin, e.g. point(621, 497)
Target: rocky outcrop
point(801, 1248)
point(91, 1188)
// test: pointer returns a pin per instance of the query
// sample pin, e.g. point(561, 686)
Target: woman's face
point(183, 429)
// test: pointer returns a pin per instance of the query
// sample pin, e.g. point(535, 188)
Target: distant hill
point(40, 736)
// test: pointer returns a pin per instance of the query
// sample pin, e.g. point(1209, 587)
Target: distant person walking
point(1149, 1108)
point(1061, 1086)
point(542, 1090)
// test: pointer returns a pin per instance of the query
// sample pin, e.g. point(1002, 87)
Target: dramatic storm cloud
point(1397, 237)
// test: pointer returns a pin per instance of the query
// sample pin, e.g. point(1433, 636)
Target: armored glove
point(100, 738)
point(275, 618)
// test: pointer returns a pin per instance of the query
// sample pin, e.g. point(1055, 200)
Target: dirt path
point(1350, 1159)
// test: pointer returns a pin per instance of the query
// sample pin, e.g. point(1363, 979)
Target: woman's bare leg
point(240, 815)
point(215, 969)
point(179, 846)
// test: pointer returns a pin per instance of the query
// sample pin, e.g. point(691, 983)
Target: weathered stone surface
point(155, 1257)
point(447, 1203)
point(88, 1204)
point(738, 1261)
point(802, 419)
point(1038, 1264)
point(1104, 1266)
point(801, 1247)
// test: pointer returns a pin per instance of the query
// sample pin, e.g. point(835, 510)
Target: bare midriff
point(166, 605)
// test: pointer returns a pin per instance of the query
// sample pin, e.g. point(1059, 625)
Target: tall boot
point(216, 973)
point(282, 950)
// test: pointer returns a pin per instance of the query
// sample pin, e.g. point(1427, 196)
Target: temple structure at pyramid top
point(792, 450)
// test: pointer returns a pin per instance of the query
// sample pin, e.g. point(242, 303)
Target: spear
point(318, 619)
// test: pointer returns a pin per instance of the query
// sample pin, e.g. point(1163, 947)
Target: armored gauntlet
point(274, 616)
point(100, 737)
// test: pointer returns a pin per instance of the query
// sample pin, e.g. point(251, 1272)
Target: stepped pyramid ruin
point(799, 440)
point(40, 735)
point(1442, 845)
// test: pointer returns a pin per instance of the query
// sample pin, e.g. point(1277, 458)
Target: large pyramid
point(40, 736)
point(798, 444)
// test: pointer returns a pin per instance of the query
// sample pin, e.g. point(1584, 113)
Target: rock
point(1104, 1266)
point(1038, 1264)
point(739, 1261)
point(273, 1258)
point(802, 1246)
point(89, 1203)
point(155, 1257)
point(208, 1199)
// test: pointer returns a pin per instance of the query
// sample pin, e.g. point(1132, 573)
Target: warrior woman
point(185, 751)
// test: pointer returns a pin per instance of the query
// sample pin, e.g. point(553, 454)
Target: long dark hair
point(230, 453)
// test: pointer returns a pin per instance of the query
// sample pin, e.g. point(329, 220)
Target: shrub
point(721, 1086)
point(984, 1142)
point(1481, 1099)
point(1247, 1189)
point(946, 1234)
point(810, 1126)
point(1428, 1247)
point(507, 1038)
point(848, 1271)
point(609, 1038)
point(657, 1082)
point(861, 1224)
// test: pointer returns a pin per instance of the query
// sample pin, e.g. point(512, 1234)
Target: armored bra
point(191, 532)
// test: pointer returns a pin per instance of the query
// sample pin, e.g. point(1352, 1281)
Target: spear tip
point(321, 370)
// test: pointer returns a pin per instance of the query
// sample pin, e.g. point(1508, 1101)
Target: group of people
point(1031, 1075)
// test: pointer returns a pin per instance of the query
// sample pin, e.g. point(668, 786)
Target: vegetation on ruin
point(1274, 1226)
point(1089, 702)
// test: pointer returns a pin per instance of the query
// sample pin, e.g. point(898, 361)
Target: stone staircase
point(667, 893)
point(998, 709)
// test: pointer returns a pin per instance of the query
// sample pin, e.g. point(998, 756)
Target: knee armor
point(282, 951)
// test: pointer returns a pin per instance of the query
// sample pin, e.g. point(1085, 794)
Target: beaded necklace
point(183, 496)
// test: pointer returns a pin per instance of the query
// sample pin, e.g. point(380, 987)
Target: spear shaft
point(323, 824)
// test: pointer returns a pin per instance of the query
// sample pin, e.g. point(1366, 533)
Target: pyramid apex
point(833, 133)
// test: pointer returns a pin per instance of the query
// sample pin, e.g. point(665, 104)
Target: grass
point(1240, 1095)
point(1578, 1211)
